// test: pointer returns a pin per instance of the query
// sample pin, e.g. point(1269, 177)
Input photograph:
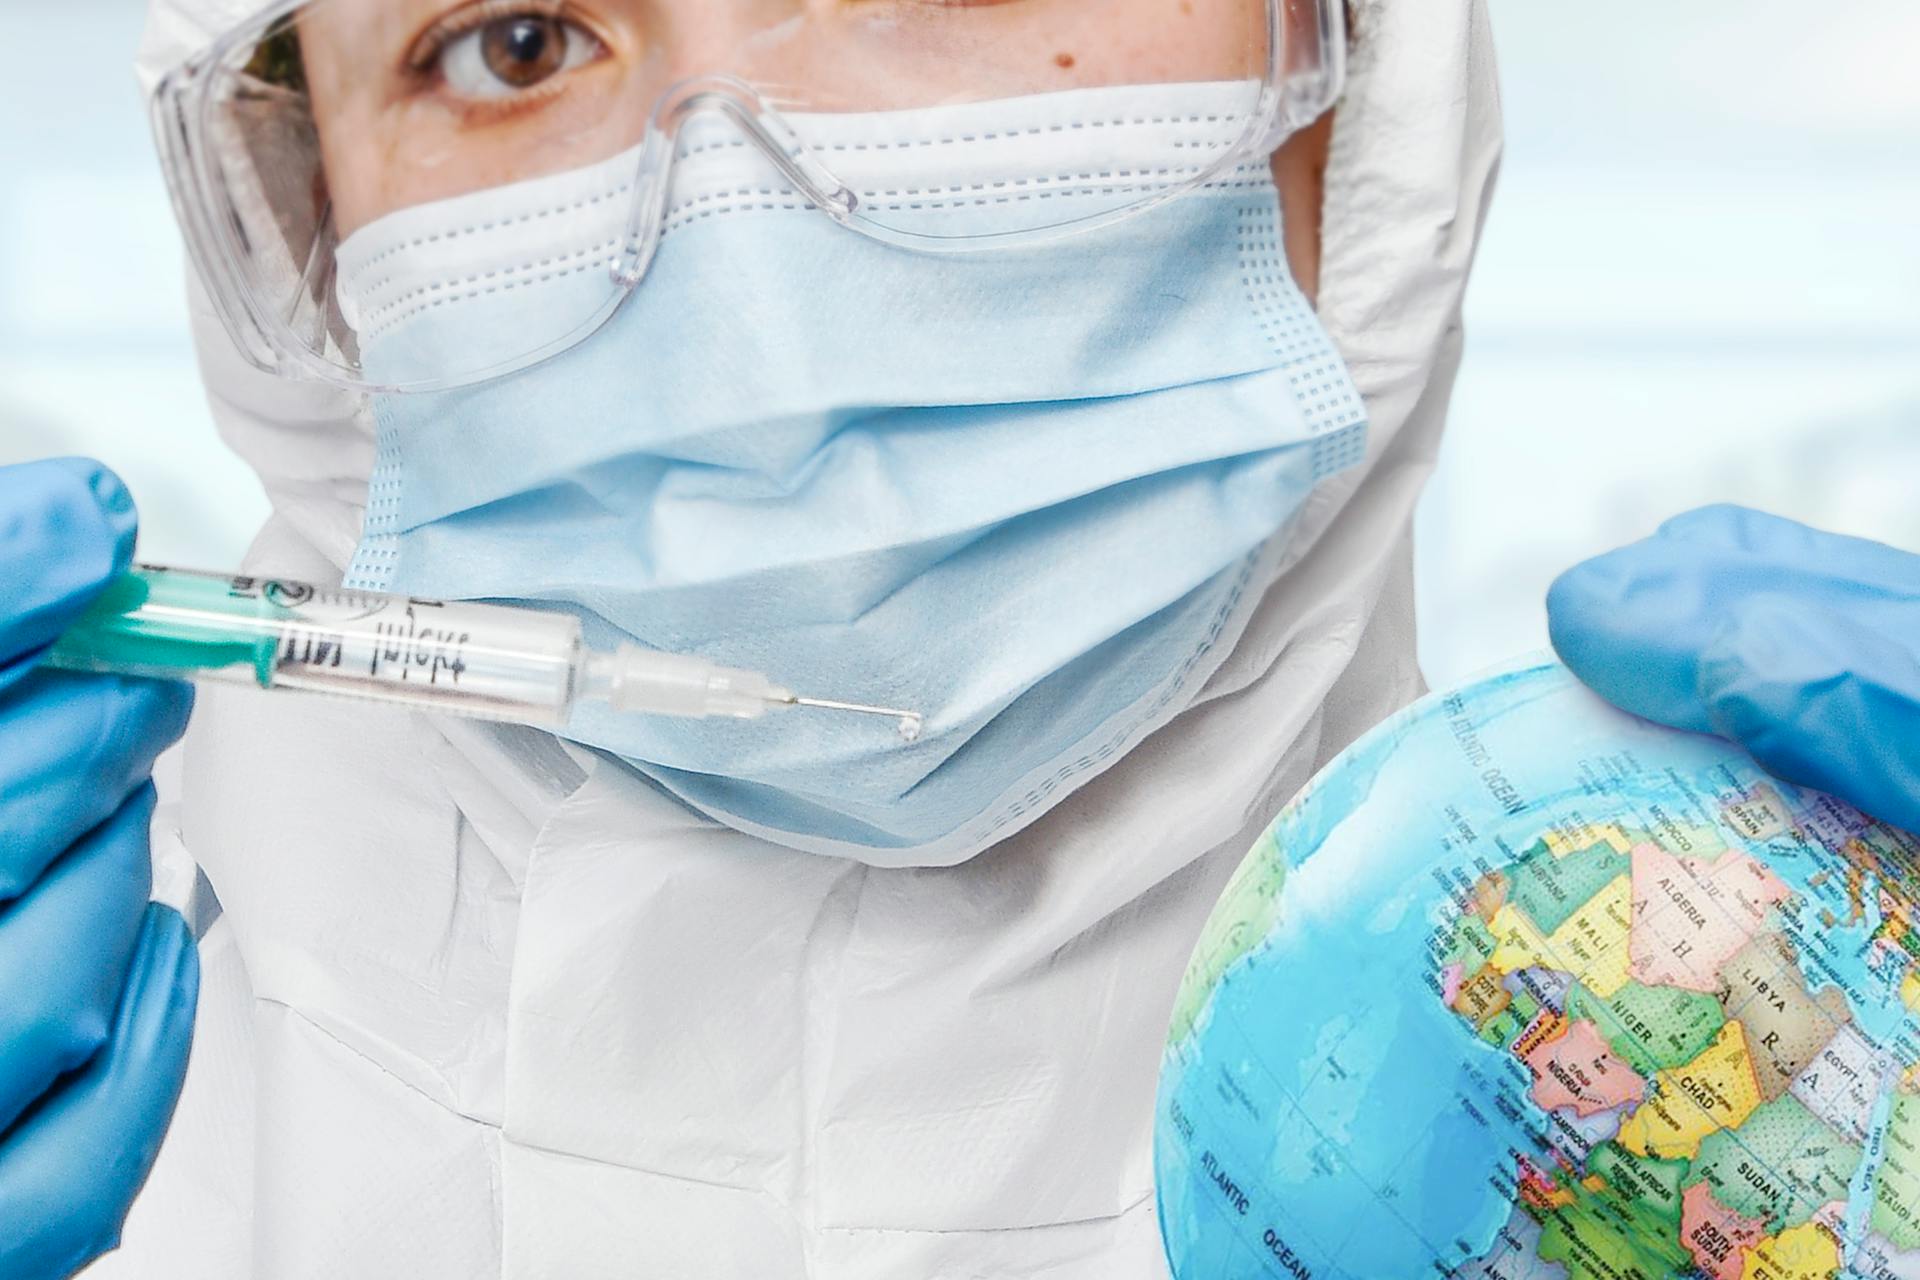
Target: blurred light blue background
point(1701, 283)
point(94, 356)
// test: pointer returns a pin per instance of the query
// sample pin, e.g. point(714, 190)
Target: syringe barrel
point(478, 660)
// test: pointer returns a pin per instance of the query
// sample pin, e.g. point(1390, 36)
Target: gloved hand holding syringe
point(493, 662)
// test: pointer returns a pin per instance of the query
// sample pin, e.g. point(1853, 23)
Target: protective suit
point(480, 1002)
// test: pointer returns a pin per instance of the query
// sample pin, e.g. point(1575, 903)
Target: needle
point(908, 722)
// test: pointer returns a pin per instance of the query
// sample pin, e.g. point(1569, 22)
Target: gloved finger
point(1627, 625)
point(1663, 628)
point(64, 951)
point(1633, 623)
point(72, 748)
point(66, 530)
point(70, 1168)
point(1819, 700)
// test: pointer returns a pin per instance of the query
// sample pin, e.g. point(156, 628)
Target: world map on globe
point(1524, 988)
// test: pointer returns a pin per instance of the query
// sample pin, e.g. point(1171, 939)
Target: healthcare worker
point(951, 356)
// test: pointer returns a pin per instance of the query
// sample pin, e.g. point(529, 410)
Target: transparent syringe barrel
point(469, 659)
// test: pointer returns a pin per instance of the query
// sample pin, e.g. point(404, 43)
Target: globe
point(1521, 987)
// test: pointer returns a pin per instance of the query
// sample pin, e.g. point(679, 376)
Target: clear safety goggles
point(318, 124)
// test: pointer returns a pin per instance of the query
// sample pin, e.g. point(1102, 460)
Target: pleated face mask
point(1029, 491)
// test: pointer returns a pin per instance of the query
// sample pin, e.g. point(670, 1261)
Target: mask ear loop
point(739, 103)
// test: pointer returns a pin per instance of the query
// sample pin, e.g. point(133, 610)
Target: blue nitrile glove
point(1801, 646)
point(99, 986)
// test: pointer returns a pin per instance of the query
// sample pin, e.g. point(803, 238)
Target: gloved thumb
point(66, 530)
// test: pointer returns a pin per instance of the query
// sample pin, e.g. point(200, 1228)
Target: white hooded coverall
point(477, 1003)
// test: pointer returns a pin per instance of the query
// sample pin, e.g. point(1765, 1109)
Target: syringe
point(493, 662)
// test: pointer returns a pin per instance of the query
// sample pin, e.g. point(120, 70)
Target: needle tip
point(909, 723)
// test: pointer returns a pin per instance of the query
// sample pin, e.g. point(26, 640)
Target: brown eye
point(522, 51)
point(491, 56)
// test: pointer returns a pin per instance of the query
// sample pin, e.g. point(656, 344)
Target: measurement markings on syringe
point(416, 645)
point(402, 648)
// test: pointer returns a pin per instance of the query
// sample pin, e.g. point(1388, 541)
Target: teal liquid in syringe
point(493, 662)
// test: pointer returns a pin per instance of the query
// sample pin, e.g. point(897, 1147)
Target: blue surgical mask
point(1031, 492)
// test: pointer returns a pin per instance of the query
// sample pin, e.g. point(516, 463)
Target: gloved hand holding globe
point(1523, 987)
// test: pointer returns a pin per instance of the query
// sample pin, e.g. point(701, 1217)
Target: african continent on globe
point(1523, 988)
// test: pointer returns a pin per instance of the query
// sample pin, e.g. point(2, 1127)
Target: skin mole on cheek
point(1064, 61)
point(1186, 7)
